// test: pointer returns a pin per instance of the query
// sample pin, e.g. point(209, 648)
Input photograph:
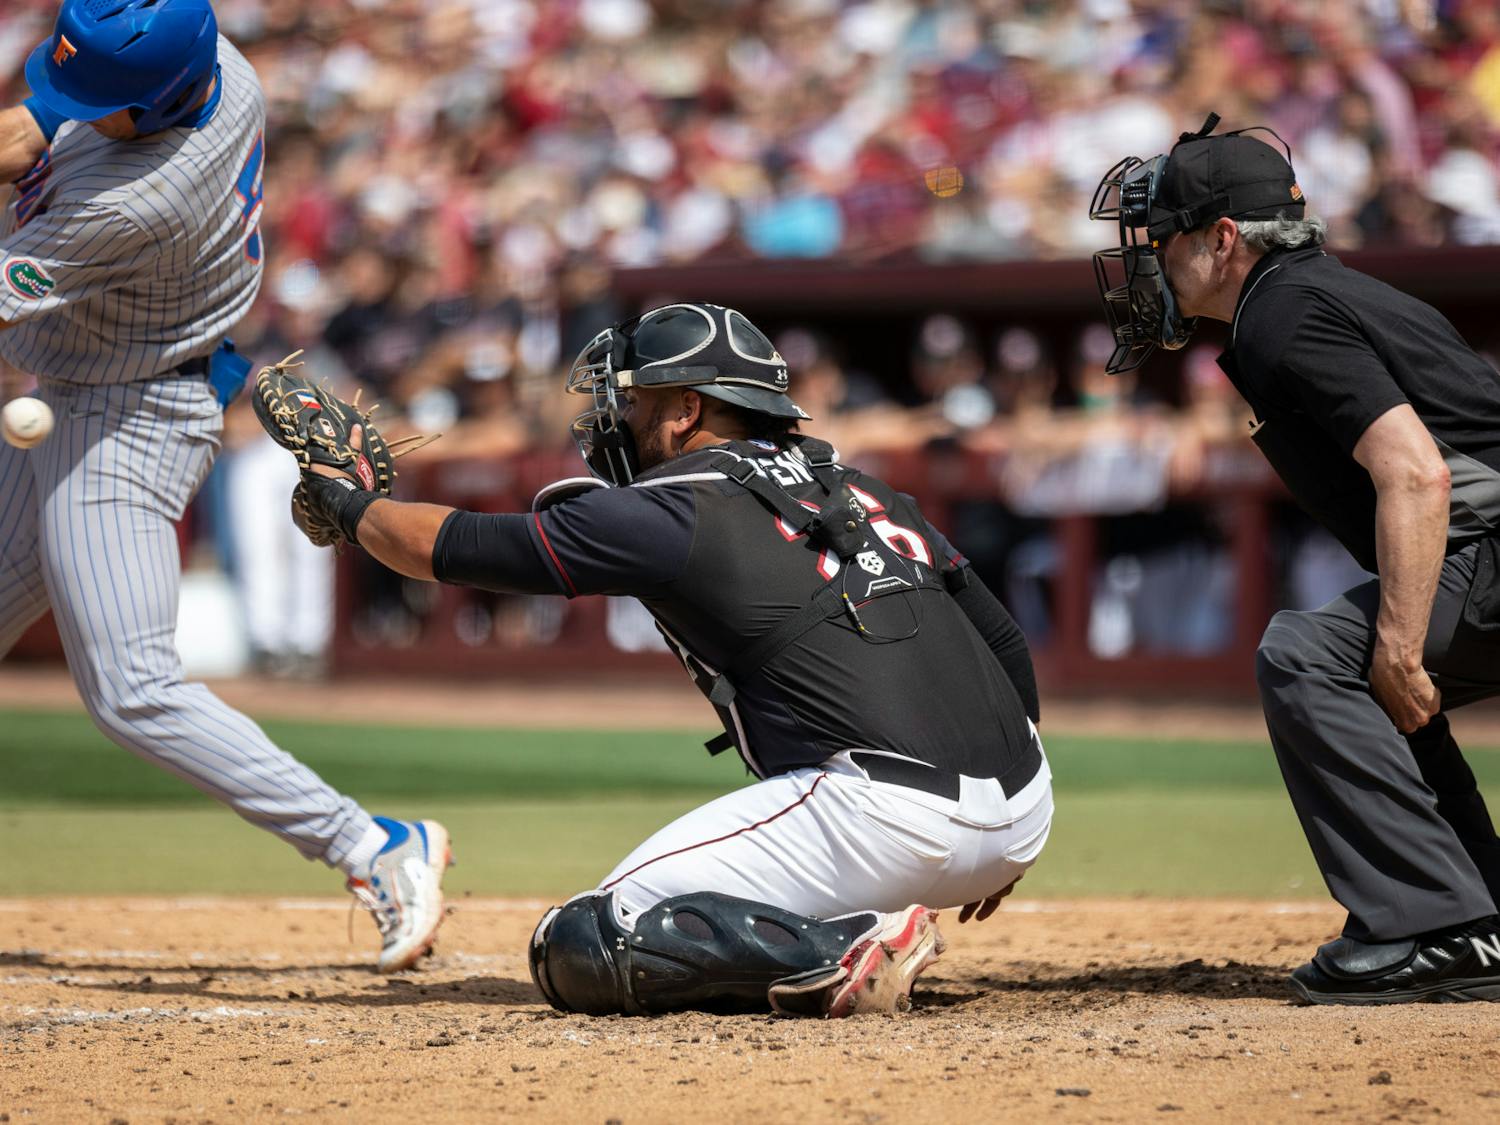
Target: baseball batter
point(879, 692)
point(129, 247)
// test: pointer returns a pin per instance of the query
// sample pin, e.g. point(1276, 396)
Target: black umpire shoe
point(1459, 963)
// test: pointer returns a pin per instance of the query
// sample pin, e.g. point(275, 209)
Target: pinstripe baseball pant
point(86, 525)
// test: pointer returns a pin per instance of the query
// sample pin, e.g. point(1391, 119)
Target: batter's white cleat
point(875, 975)
point(403, 889)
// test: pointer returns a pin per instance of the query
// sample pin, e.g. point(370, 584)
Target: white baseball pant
point(825, 841)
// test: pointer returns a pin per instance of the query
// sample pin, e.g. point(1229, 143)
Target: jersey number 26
point(903, 540)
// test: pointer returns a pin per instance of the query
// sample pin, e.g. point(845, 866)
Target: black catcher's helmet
point(714, 350)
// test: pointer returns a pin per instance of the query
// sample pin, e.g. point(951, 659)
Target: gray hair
point(1282, 233)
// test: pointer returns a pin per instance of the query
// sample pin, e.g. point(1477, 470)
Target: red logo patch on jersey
point(366, 474)
point(64, 52)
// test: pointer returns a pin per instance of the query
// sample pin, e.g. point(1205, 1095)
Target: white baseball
point(25, 422)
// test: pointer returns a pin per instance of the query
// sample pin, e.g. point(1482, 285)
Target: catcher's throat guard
point(1138, 303)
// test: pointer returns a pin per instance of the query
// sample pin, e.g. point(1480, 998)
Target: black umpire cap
point(1232, 175)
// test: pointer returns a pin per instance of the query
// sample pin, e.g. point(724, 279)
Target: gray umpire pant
point(1396, 822)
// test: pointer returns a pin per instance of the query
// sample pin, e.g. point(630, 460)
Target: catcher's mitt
point(319, 428)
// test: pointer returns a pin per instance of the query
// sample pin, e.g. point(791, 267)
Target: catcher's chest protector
point(854, 563)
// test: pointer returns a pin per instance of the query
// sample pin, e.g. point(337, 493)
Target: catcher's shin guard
point(703, 950)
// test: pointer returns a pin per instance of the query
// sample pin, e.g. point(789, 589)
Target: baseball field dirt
point(198, 1010)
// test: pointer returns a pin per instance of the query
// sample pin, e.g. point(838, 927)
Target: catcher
point(880, 693)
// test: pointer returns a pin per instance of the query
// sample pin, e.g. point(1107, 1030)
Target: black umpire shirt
point(1320, 352)
point(718, 569)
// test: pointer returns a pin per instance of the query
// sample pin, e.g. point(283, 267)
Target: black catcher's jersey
point(719, 570)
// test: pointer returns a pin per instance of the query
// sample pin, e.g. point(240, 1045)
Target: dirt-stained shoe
point(403, 889)
point(875, 975)
point(1459, 963)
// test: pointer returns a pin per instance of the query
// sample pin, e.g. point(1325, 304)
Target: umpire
point(1385, 426)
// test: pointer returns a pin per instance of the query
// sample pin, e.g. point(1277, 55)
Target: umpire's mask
point(1202, 179)
point(714, 350)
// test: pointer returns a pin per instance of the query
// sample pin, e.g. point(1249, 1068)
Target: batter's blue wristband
point(47, 120)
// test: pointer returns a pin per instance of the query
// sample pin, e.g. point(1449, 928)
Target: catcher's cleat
point(875, 975)
point(403, 889)
point(1459, 963)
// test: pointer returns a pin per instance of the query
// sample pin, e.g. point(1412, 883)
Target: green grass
point(1132, 843)
point(546, 813)
point(503, 848)
point(60, 758)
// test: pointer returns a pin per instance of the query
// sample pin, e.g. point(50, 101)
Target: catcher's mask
point(714, 350)
point(1203, 178)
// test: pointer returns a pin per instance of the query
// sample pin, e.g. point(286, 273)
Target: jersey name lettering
point(785, 469)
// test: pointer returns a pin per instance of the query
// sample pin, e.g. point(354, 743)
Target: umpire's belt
point(939, 782)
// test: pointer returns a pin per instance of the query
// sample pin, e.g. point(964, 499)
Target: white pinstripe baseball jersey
point(120, 260)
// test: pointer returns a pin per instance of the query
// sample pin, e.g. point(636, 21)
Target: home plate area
point(227, 1009)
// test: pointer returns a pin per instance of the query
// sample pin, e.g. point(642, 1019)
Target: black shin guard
point(703, 950)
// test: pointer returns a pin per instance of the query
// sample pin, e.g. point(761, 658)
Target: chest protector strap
point(840, 525)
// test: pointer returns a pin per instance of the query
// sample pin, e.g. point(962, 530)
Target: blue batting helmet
point(153, 57)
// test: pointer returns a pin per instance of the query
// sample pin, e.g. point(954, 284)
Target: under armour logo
point(64, 52)
point(1485, 949)
point(781, 377)
point(869, 560)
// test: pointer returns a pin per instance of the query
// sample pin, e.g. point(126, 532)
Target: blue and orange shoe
point(403, 889)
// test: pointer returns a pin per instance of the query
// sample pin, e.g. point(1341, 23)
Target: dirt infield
point(216, 1010)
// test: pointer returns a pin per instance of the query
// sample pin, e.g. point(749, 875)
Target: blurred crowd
point(450, 184)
